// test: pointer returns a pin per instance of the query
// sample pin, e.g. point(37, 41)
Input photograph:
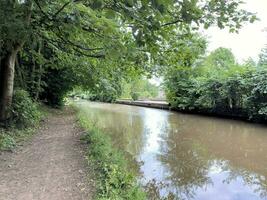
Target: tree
point(221, 58)
point(263, 57)
point(178, 76)
point(14, 21)
point(139, 87)
point(98, 29)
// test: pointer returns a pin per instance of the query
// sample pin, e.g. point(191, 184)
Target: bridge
point(145, 103)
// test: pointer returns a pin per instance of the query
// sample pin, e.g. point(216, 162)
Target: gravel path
point(49, 167)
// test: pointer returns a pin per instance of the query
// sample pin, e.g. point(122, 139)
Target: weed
point(6, 142)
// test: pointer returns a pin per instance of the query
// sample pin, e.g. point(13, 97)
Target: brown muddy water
point(188, 156)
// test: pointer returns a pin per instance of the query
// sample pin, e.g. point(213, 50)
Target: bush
point(24, 111)
point(257, 98)
point(135, 96)
point(6, 141)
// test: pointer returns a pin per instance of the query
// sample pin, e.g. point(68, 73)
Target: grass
point(115, 180)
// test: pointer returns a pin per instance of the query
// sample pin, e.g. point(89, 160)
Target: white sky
point(247, 43)
point(251, 38)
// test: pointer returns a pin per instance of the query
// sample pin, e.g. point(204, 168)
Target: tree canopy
point(62, 43)
point(217, 84)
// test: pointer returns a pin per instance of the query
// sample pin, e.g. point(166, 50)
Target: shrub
point(135, 95)
point(24, 111)
point(6, 141)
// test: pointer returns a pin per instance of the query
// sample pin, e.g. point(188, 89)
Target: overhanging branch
point(172, 23)
point(61, 9)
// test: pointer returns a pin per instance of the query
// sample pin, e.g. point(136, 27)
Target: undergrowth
point(24, 111)
point(25, 117)
point(9, 138)
point(115, 181)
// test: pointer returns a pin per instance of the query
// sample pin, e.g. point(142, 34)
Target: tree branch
point(62, 8)
point(90, 55)
point(172, 23)
point(77, 45)
point(40, 8)
point(76, 49)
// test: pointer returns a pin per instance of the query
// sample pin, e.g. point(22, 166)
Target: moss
point(114, 178)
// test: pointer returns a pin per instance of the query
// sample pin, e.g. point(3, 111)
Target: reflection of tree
point(256, 181)
point(188, 167)
point(238, 143)
point(153, 189)
point(123, 126)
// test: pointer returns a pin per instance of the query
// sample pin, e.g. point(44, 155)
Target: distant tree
point(139, 87)
point(250, 62)
point(221, 58)
point(263, 57)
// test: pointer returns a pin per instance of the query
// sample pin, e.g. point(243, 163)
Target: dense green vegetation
point(135, 88)
point(26, 115)
point(217, 84)
point(139, 88)
point(49, 47)
point(115, 180)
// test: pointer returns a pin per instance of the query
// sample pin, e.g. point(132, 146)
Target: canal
point(182, 156)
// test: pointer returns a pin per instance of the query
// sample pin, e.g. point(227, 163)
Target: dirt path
point(50, 167)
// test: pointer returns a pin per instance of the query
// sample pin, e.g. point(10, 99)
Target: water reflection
point(188, 156)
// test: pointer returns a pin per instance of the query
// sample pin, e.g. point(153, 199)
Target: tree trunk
point(19, 73)
point(39, 76)
point(6, 83)
point(7, 68)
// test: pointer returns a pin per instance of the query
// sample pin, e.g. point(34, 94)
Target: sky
point(247, 43)
point(251, 38)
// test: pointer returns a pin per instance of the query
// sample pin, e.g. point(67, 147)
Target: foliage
point(221, 87)
point(139, 88)
point(220, 58)
point(9, 138)
point(58, 83)
point(24, 111)
point(106, 91)
point(134, 96)
point(87, 41)
point(115, 180)
point(179, 85)
point(24, 124)
point(256, 100)
point(179, 75)
point(6, 141)
point(263, 57)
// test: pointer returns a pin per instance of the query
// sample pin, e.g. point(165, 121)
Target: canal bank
point(235, 114)
point(114, 177)
point(187, 156)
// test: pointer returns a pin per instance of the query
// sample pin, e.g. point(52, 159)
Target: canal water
point(184, 156)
